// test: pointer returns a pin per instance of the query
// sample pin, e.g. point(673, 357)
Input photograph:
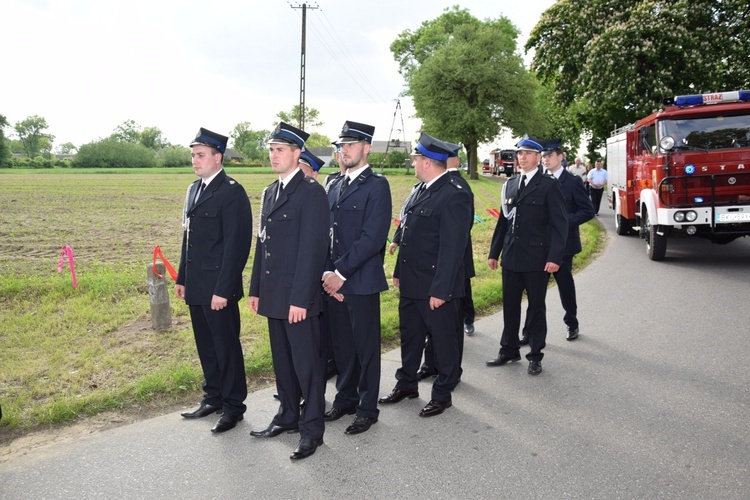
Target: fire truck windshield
point(706, 133)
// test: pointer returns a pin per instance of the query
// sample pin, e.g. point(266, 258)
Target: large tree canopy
point(32, 136)
point(467, 79)
point(616, 60)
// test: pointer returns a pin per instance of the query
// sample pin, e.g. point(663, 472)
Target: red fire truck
point(683, 170)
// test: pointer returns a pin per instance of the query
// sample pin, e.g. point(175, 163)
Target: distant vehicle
point(486, 167)
point(683, 170)
point(503, 162)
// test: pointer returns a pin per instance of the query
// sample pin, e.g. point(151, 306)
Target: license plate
point(732, 217)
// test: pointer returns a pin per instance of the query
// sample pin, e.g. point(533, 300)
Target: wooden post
point(161, 314)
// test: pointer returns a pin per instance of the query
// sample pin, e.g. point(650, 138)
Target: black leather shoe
point(306, 448)
point(336, 413)
point(425, 372)
point(398, 395)
point(469, 329)
point(524, 340)
point(572, 334)
point(360, 425)
point(273, 431)
point(435, 407)
point(535, 367)
point(503, 359)
point(225, 423)
point(203, 410)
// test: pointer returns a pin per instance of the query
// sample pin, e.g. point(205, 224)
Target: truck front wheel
point(656, 244)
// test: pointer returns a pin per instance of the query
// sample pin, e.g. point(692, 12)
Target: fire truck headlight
point(679, 216)
point(666, 143)
point(690, 169)
point(691, 230)
point(691, 216)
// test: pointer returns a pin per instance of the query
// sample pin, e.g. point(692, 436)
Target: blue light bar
point(698, 199)
point(715, 98)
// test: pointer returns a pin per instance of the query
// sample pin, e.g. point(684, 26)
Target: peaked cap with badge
point(288, 134)
point(205, 137)
point(356, 132)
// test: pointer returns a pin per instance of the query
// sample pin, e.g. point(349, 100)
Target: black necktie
point(344, 185)
point(278, 191)
point(522, 184)
point(200, 191)
point(420, 190)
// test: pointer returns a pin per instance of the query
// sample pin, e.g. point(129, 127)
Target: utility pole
point(390, 135)
point(304, 8)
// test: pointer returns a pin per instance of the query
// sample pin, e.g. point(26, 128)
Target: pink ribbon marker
point(67, 252)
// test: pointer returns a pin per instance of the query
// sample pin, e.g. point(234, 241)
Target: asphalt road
point(651, 402)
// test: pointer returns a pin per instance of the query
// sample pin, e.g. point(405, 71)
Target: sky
point(87, 66)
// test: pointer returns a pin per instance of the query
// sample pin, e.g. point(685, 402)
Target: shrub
point(111, 153)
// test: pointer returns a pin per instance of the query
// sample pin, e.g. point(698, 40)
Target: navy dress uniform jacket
point(469, 254)
point(540, 229)
point(359, 220)
point(579, 208)
point(291, 250)
point(433, 243)
point(216, 242)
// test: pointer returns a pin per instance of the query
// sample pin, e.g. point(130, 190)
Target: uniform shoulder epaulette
point(455, 184)
point(376, 174)
point(230, 181)
point(310, 180)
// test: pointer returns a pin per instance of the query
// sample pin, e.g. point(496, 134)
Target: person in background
point(580, 211)
point(579, 169)
point(597, 178)
point(310, 164)
point(215, 247)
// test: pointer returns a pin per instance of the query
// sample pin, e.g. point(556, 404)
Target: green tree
point(616, 60)
point(127, 131)
point(467, 79)
point(32, 136)
point(317, 140)
point(66, 148)
point(292, 117)
point(4, 143)
point(152, 138)
point(251, 143)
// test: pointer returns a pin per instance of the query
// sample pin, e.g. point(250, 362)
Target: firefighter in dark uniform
point(360, 216)
point(580, 210)
point(531, 234)
point(290, 255)
point(215, 246)
point(430, 275)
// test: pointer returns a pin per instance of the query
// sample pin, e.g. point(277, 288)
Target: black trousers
point(567, 288)
point(596, 198)
point(442, 326)
point(297, 351)
point(467, 315)
point(217, 338)
point(535, 285)
point(355, 332)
